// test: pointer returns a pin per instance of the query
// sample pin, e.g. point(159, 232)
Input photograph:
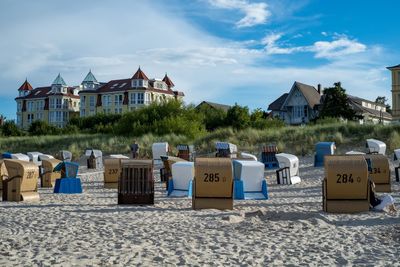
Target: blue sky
point(226, 51)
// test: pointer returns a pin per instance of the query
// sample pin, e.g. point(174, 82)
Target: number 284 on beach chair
point(346, 186)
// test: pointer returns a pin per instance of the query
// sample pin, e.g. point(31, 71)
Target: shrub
point(43, 128)
point(9, 128)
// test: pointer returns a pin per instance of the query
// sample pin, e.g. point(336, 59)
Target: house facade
point(303, 102)
point(297, 107)
point(119, 96)
point(54, 104)
point(369, 111)
point(395, 73)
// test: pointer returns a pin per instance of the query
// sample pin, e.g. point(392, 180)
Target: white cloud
point(205, 67)
point(336, 48)
point(272, 48)
point(255, 13)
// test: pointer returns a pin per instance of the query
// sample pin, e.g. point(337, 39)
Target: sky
point(226, 51)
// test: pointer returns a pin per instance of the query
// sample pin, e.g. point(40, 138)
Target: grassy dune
point(295, 140)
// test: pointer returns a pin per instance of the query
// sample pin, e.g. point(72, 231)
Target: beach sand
point(288, 229)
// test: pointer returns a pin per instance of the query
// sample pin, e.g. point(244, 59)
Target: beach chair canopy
point(376, 146)
point(118, 156)
point(65, 155)
point(355, 153)
point(288, 161)
point(96, 153)
point(244, 155)
point(159, 149)
point(34, 156)
point(226, 146)
point(20, 156)
point(396, 156)
point(45, 156)
point(22, 180)
point(67, 169)
point(251, 173)
point(182, 174)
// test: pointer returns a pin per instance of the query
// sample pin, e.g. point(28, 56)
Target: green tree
point(43, 128)
point(383, 101)
point(213, 118)
point(238, 117)
point(9, 128)
point(335, 104)
point(167, 117)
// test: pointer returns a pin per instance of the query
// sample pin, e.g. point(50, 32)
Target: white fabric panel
point(288, 160)
point(118, 156)
point(20, 156)
point(295, 179)
point(182, 174)
point(248, 156)
point(252, 175)
point(45, 156)
point(376, 146)
point(355, 153)
point(159, 149)
point(34, 156)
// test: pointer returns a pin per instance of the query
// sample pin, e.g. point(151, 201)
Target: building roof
point(124, 85)
point(26, 86)
point(139, 75)
point(168, 81)
point(90, 78)
point(356, 104)
point(277, 104)
point(393, 67)
point(43, 92)
point(59, 81)
point(310, 93)
point(214, 105)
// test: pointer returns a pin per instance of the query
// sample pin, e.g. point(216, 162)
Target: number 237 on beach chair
point(68, 183)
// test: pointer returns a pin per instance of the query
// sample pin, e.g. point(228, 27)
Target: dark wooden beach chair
point(136, 183)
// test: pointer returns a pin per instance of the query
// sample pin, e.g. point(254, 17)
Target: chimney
point(319, 89)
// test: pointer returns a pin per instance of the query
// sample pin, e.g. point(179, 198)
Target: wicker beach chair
point(21, 184)
point(136, 184)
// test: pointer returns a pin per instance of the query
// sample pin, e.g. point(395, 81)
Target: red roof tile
point(168, 81)
point(26, 86)
point(43, 92)
point(139, 75)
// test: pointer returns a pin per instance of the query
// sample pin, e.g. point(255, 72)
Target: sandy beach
point(288, 229)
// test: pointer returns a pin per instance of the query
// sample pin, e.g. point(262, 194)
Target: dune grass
point(297, 140)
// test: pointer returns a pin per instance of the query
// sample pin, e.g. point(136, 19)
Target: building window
point(83, 112)
point(30, 106)
point(91, 100)
point(140, 98)
point(133, 98)
point(30, 118)
point(118, 110)
point(65, 104)
point(298, 111)
point(147, 98)
point(118, 100)
point(107, 100)
point(306, 111)
point(398, 78)
point(19, 120)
